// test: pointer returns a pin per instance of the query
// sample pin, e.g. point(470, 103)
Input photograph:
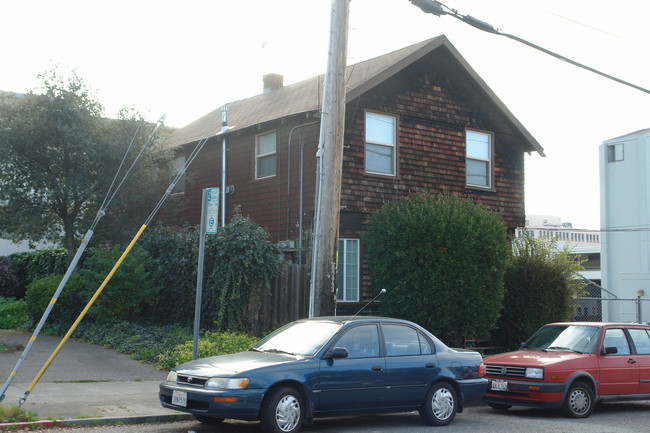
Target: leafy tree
point(58, 157)
point(442, 259)
point(541, 282)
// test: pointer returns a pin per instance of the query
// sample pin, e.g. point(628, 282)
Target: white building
point(625, 220)
point(585, 243)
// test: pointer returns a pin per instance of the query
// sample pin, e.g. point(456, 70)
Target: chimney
point(272, 82)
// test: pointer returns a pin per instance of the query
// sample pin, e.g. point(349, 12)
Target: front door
point(358, 381)
point(619, 372)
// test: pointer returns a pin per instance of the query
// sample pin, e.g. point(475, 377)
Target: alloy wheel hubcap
point(287, 413)
point(442, 404)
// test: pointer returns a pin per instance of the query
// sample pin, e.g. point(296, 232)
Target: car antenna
point(370, 301)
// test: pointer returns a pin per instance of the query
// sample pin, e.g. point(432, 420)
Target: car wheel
point(498, 406)
point(207, 419)
point(440, 405)
point(579, 401)
point(282, 411)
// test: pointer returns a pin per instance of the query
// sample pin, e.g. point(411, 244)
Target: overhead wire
point(436, 8)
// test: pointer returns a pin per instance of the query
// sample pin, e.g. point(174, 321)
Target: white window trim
point(490, 172)
point(262, 155)
point(393, 145)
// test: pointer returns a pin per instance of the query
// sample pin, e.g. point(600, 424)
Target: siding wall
point(434, 105)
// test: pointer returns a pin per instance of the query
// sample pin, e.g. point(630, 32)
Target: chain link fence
point(591, 309)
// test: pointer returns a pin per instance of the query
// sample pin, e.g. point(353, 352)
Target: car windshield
point(298, 338)
point(563, 338)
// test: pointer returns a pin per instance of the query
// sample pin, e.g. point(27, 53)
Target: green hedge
point(442, 259)
point(13, 313)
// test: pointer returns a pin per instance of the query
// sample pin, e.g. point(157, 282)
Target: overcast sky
point(187, 58)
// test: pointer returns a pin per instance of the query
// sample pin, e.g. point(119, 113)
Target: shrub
point(210, 344)
point(442, 260)
point(37, 264)
point(67, 307)
point(9, 282)
point(541, 282)
point(173, 275)
point(141, 342)
point(240, 262)
point(13, 313)
point(125, 295)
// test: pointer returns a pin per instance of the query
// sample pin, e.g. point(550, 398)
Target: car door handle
point(430, 365)
point(631, 361)
point(377, 368)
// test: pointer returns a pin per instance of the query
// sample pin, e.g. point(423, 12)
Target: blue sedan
point(330, 366)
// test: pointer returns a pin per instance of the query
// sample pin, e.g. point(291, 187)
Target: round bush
point(67, 307)
point(442, 260)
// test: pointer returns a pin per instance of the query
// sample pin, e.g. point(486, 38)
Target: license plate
point(499, 385)
point(179, 398)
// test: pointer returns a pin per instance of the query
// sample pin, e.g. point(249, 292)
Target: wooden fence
point(285, 301)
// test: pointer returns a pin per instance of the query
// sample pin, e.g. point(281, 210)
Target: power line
point(580, 23)
point(436, 8)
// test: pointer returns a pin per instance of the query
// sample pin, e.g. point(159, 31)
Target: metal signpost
point(209, 223)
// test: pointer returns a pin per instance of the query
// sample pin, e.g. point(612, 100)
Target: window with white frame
point(615, 152)
point(380, 143)
point(178, 163)
point(478, 161)
point(265, 155)
point(347, 278)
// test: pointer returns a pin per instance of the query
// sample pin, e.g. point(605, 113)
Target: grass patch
point(13, 414)
point(4, 347)
point(94, 380)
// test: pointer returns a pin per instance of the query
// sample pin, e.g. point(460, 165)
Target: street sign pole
point(209, 219)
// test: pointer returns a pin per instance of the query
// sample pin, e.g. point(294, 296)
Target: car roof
point(360, 319)
point(601, 324)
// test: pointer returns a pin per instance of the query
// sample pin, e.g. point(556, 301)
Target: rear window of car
point(641, 339)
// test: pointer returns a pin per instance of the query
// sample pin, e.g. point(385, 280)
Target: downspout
point(224, 128)
point(302, 146)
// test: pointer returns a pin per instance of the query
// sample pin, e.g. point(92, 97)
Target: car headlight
point(535, 373)
point(172, 376)
point(227, 382)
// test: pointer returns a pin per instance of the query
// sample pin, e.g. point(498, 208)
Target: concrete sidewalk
point(84, 381)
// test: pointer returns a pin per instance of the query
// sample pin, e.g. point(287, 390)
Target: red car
point(572, 366)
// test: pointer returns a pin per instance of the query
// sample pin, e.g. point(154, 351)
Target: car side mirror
point(337, 353)
point(611, 350)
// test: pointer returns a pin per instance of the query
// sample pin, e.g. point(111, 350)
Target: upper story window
point(478, 169)
point(380, 143)
point(265, 155)
point(615, 152)
point(178, 163)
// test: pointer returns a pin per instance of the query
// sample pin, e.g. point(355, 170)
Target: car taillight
point(481, 369)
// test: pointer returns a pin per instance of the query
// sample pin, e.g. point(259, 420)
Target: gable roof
point(306, 96)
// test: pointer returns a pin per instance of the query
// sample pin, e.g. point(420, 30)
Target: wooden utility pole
point(322, 288)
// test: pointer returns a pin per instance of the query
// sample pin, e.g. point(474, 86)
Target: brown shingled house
point(417, 119)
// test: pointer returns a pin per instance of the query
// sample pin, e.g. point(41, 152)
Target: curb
point(92, 422)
